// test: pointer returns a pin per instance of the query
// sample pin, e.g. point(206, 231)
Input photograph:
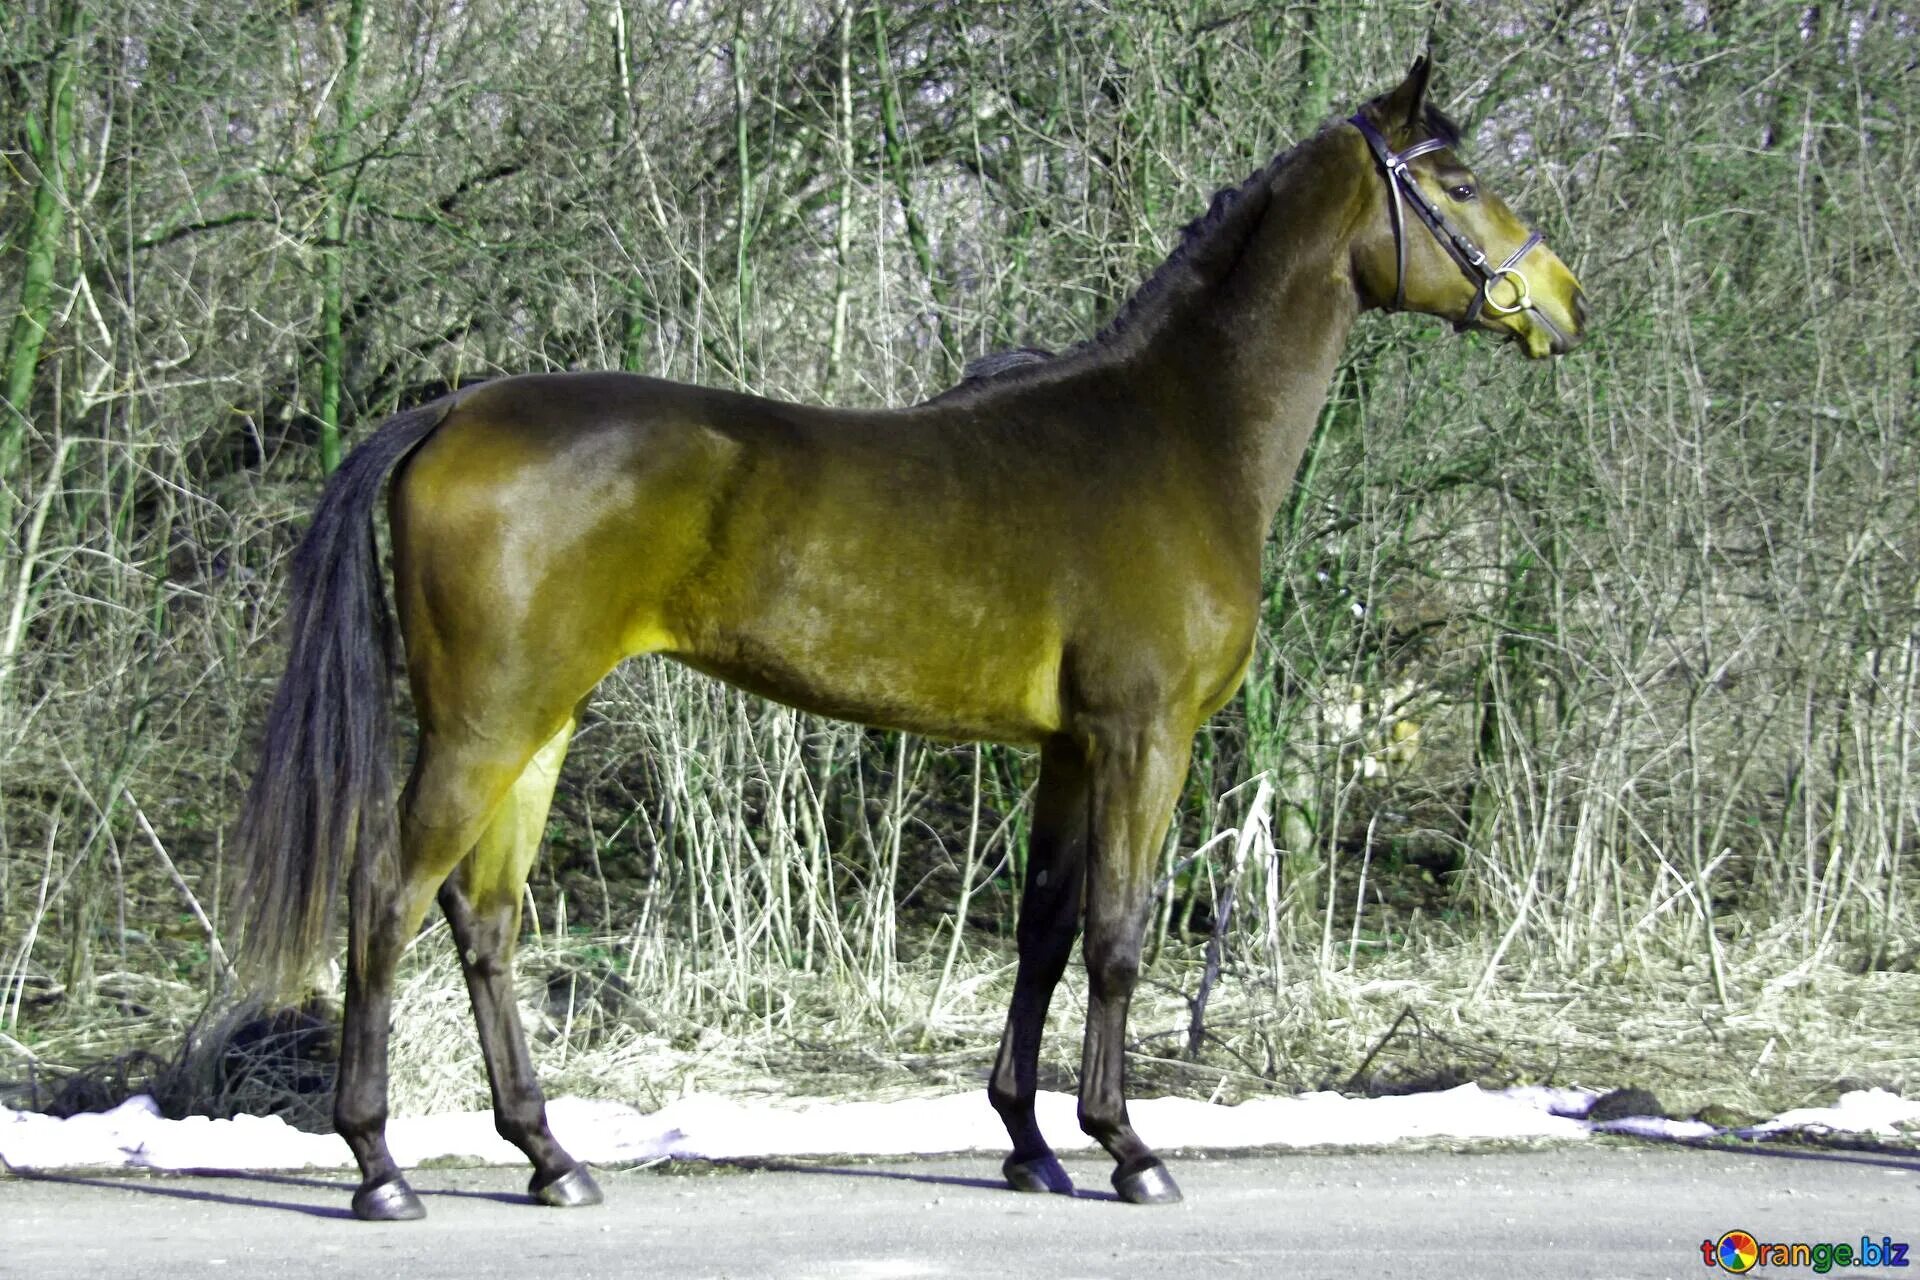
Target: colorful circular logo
point(1736, 1251)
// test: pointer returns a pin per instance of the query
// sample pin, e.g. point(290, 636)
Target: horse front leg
point(1049, 922)
point(1136, 777)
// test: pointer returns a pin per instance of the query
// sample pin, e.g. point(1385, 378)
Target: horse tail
point(323, 791)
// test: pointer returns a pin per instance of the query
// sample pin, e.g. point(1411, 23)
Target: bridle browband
point(1472, 259)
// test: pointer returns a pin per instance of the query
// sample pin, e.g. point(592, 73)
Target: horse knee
point(1113, 970)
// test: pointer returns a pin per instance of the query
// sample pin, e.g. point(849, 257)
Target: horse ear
point(1405, 106)
point(1416, 83)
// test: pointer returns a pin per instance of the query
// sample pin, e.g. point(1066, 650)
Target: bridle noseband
point(1472, 259)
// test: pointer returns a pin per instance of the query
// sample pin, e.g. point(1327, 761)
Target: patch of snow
point(135, 1135)
point(1863, 1111)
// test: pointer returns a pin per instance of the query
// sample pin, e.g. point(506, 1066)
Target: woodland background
point(1583, 728)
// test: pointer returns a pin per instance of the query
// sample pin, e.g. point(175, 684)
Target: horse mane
point(1198, 240)
point(995, 363)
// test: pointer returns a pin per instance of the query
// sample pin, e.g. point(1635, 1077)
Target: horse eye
point(1463, 193)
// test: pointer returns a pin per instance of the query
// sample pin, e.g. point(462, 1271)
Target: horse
point(1061, 552)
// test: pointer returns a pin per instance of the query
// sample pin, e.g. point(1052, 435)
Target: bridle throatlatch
point(1472, 259)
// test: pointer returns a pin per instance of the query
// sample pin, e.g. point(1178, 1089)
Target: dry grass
point(1414, 1018)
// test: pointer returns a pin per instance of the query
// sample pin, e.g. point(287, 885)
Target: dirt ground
point(1598, 1209)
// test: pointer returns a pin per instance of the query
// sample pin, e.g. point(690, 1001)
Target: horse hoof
point(574, 1189)
point(1042, 1173)
point(389, 1201)
point(1146, 1183)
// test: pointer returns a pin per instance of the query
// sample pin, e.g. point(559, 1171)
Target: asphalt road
point(1598, 1209)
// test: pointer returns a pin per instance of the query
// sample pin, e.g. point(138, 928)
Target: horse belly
point(931, 671)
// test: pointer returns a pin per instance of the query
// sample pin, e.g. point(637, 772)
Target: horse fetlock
point(1106, 1122)
point(357, 1122)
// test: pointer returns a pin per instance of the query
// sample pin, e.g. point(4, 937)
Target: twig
point(1353, 1081)
point(1219, 837)
point(218, 952)
point(29, 555)
point(1223, 913)
point(19, 1048)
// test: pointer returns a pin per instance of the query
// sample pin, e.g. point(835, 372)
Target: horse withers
point(1063, 552)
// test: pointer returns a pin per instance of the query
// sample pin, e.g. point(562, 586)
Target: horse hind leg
point(482, 904)
point(459, 781)
point(378, 930)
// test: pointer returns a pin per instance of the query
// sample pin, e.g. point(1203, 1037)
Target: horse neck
point(1257, 344)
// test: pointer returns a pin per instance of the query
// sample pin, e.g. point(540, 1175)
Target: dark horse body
point(1065, 554)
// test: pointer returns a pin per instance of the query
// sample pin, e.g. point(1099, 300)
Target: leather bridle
point(1458, 244)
